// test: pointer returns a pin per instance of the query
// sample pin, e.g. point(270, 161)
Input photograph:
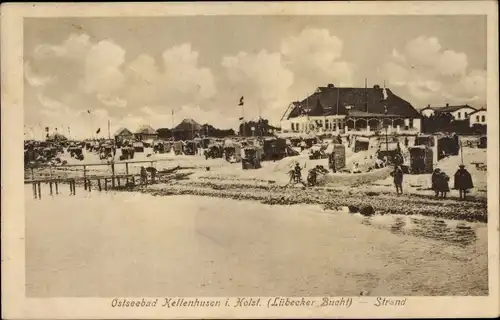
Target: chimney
point(331, 85)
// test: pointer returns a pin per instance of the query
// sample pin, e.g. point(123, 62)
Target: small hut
point(336, 156)
point(361, 144)
point(421, 159)
point(252, 157)
point(483, 142)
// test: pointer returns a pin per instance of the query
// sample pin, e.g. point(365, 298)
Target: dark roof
point(324, 102)
point(449, 108)
point(188, 125)
point(146, 129)
point(56, 136)
point(482, 109)
point(123, 131)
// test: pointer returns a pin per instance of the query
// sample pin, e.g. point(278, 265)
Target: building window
point(477, 118)
point(465, 114)
point(334, 126)
point(293, 126)
point(410, 123)
point(483, 118)
point(458, 115)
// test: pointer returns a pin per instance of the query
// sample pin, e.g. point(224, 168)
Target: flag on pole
point(98, 130)
point(241, 102)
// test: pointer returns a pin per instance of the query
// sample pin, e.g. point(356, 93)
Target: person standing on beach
point(144, 176)
point(463, 181)
point(398, 179)
point(435, 181)
point(298, 173)
point(442, 184)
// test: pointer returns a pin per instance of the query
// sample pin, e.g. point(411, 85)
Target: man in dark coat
point(435, 181)
point(463, 181)
point(298, 172)
point(398, 179)
point(442, 184)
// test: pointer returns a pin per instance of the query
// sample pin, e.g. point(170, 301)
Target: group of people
point(312, 176)
point(462, 182)
point(439, 181)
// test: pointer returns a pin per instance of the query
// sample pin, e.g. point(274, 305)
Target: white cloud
point(75, 47)
point(272, 79)
point(112, 101)
point(433, 76)
point(33, 79)
point(313, 55)
point(179, 80)
point(102, 68)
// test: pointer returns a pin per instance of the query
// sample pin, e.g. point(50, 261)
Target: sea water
point(102, 244)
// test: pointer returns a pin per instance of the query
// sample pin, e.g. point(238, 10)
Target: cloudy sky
point(136, 71)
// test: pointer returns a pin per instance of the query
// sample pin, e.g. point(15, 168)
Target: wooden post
point(118, 179)
point(113, 175)
point(126, 170)
point(32, 173)
point(34, 190)
point(133, 181)
point(99, 184)
point(89, 185)
point(57, 188)
point(461, 153)
point(50, 186)
point(106, 184)
point(70, 188)
point(85, 177)
point(39, 191)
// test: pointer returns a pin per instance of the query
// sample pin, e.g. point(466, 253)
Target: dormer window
point(318, 90)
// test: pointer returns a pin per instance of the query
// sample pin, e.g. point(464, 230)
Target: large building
point(333, 109)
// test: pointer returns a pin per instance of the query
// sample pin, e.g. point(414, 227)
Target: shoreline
point(474, 210)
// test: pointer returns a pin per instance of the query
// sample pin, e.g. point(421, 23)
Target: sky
point(135, 71)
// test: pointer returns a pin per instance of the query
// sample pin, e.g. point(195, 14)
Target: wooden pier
point(99, 182)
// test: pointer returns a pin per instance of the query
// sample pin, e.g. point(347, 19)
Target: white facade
point(335, 123)
point(427, 112)
point(462, 113)
point(478, 117)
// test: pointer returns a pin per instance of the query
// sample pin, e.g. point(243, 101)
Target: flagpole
point(109, 129)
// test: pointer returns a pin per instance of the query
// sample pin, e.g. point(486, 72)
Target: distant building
point(123, 134)
point(333, 109)
point(188, 129)
point(146, 132)
point(459, 112)
point(55, 137)
point(478, 117)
